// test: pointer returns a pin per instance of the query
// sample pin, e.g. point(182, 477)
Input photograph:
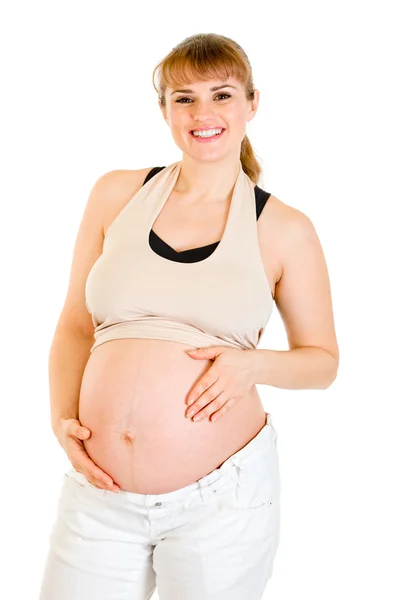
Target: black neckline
point(181, 252)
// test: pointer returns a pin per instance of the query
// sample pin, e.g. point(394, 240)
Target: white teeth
point(208, 133)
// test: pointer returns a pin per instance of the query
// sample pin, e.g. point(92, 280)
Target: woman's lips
point(207, 139)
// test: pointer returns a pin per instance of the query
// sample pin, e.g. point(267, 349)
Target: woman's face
point(198, 106)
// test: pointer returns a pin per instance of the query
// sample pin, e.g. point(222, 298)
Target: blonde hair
point(205, 56)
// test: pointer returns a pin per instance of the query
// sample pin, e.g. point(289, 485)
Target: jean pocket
point(80, 481)
point(257, 479)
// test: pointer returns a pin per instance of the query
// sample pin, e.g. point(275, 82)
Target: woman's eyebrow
point(213, 89)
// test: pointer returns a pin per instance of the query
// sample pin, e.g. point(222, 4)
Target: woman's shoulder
point(119, 186)
point(282, 227)
point(123, 178)
point(288, 218)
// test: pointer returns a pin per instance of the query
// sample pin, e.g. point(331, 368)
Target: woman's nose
point(203, 110)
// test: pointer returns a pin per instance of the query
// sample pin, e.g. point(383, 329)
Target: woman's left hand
point(228, 379)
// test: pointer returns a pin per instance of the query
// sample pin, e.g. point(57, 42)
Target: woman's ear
point(253, 105)
point(163, 111)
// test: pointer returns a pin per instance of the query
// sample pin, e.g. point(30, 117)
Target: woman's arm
point(74, 335)
point(296, 369)
point(303, 299)
point(69, 353)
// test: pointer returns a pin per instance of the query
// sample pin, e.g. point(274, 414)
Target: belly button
point(128, 439)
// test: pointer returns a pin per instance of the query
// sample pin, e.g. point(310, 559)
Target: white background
point(78, 101)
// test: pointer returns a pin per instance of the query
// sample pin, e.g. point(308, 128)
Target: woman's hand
point(228, 379)
point(69, 434)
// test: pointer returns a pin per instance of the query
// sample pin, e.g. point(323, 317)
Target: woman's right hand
point(69, 433)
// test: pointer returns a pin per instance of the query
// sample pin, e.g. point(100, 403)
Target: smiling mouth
point(207, 137)
point(208, 129)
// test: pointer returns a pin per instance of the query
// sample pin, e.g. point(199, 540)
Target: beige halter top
point(225, 299)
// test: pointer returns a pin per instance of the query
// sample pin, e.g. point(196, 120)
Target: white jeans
point(215, 539)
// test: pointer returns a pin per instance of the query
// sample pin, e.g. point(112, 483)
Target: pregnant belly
point(133, 399)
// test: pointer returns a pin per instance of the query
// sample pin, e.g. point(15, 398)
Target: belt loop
point(270, 423)
point(233, 471)
point(204, 490)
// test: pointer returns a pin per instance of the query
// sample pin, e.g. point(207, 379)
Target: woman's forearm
point(69, 353)
point(301, 368)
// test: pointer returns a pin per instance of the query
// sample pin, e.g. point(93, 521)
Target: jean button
point(158, 504)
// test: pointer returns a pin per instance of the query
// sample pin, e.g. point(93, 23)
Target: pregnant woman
point(175, 480)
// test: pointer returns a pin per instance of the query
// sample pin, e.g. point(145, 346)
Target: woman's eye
point(184, 98)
